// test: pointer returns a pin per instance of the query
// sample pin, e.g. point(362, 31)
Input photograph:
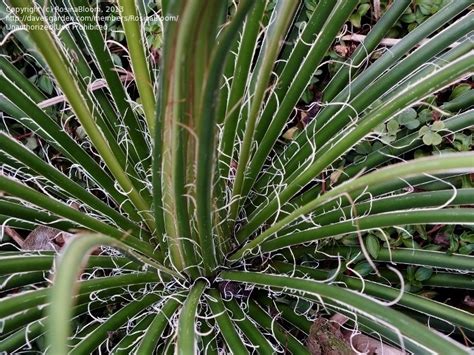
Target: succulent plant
point(187, 218)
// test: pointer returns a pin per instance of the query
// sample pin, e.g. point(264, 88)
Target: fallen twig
point(96, 85)
point(389, 42)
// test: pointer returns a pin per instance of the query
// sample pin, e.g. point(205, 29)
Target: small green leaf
point(45, 84)
point(425, 115)
point(423, 130)
point(377, 145)
point(467, 237)
point(421, 231)
point(412, 124)
point(453, 244)
point(363, 268)
point(459, 90)
point(466, 249)
point(437, 126)
point(436, 139)
point(462, 142)
point(363, 9)
point(302, 306)
point(117, 60)
point(423, 274)
point(428, 138)
point(310, 4)
point(373, 245)
point(406, 115)
point(355, 19)
point(411, 273)
point(389, 138)
point(408, 119)
point(381, 129)
point(425, 9)
point(364, 148)
point(157, 41)
point(409, 18)
point(410, 243)
point(393, 127)
point(433, 247)
point(414, 287)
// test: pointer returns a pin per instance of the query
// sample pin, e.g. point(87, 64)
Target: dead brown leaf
point(45, 238)
point(327, 338)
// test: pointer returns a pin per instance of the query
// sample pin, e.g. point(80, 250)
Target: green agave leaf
point(232, 176)
point(343, 297)
point(373, 245)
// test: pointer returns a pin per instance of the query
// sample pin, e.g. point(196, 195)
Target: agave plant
point(196, 215)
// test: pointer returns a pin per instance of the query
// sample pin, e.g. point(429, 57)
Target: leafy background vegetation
point(132, 297)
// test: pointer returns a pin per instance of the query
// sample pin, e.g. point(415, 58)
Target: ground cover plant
point(165, 189)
